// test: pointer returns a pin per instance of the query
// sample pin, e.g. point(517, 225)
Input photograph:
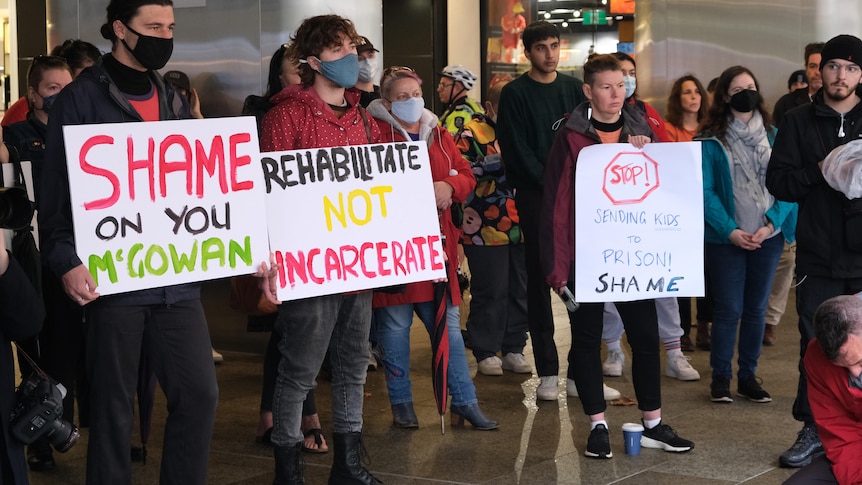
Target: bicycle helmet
point(461, 74)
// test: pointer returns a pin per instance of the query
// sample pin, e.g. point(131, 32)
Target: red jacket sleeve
point(837, 409)
point(557, 223)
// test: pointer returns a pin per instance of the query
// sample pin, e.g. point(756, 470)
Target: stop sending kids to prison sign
point(638, 222)
point(352, 218)
point(163, 203)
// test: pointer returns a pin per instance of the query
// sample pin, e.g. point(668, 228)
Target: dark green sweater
point(528, 119)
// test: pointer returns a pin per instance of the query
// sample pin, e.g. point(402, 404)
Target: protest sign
point(162, 203)
point(352, 218)
point(638, 222)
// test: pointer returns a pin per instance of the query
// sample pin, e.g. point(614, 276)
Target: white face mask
point(631, 85)
point(368, 69)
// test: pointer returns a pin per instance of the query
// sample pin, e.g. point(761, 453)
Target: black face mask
point(152, 52)
point(745, 101)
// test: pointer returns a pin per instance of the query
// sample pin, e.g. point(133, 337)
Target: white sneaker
point(613, 365)
point(548, 389)
point(609, 392)
point(217, 357)
point(517, 363)
point(679, 368)
point(491, 366)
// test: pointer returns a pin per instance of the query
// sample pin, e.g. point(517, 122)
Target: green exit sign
point(595, 17)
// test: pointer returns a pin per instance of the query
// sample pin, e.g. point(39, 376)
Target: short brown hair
point(813, 48)
point(597, 63)
point(313, 36)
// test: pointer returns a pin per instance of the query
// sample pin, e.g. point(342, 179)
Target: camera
point(16, 209)
point(38, 412)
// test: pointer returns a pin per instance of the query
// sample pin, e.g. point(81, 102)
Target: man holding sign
point(168, 321)
point(605, 118)
point(322, 112)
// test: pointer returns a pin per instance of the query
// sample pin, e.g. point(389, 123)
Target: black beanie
point(846, 47)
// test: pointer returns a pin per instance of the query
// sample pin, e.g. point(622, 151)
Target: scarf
point(749, 152)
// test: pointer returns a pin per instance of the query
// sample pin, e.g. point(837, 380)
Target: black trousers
point(585, 360)
point(177, 342)
point(539, 315)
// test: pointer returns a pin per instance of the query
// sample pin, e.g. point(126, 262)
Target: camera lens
point(63, 435)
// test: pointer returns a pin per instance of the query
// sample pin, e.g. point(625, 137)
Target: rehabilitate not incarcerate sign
point(162, 203)
point(352, 218)
point(638, 222)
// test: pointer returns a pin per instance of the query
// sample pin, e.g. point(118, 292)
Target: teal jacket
point(718, 207)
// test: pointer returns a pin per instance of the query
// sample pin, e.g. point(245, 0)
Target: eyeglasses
point(443, 85)
point(836, 68)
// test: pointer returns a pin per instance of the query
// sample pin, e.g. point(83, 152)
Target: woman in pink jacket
point(401, 116)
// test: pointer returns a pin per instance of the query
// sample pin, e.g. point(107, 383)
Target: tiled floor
point(537, 443)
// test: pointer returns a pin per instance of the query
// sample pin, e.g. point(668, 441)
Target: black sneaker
point(806, 448)
point(599, 443)
point(720, 388)
point(663, 437)
point(749, 388)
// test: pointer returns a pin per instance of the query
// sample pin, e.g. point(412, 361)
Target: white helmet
point(461, 74)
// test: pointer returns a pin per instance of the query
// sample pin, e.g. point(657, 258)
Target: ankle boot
point(702, 341)
point(288, 465)
point(403, 416)
point(474, 415)
point(347, 463)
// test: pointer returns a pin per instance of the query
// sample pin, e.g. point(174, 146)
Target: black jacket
point(28, 139)
point(787, 103)
point(21, 316)
point(94, 98)
point(808, 133)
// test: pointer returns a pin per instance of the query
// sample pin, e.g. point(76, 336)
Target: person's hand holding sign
point(267, 280)
point(80, 285)
point(639, 140)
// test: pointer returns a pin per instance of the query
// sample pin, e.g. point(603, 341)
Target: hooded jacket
point(443, 156)
point(557, 230)
point(93, 97)
point(808, 133)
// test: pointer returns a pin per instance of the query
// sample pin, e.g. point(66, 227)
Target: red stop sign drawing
point(630, 178)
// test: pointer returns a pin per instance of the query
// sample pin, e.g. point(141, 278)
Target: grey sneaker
point(678, 367)
point(517, 363)
point(548, 389)
point(613, 364)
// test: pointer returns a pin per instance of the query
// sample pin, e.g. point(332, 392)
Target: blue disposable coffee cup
point(632, 433)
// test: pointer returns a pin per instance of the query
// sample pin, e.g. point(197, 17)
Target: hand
point(762, 233)
point(195, 104)
point(267, 280)
point(639, 140)
point(4, 256)
point(80, 285)
point(743, 239)
point(443, 195)
point(559, 289)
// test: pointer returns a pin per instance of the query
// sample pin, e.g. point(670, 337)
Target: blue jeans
point(741, 281)
point(308, 327)
point(393, 336)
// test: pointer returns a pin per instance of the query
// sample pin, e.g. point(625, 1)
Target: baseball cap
point(364, 45)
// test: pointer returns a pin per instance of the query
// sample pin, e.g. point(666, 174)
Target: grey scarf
point(749, 152)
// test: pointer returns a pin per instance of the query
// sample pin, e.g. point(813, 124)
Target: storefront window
point(602, 26)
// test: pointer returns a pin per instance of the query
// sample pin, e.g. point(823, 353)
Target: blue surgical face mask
point(368, 69)
point(48, 101)
point(631, 85)
point(410, 110)
point(344, 71)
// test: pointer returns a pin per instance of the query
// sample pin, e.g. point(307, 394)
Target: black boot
point(288, 465)
point(347, 466)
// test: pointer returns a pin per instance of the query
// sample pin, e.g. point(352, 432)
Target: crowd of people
point(503, 176)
